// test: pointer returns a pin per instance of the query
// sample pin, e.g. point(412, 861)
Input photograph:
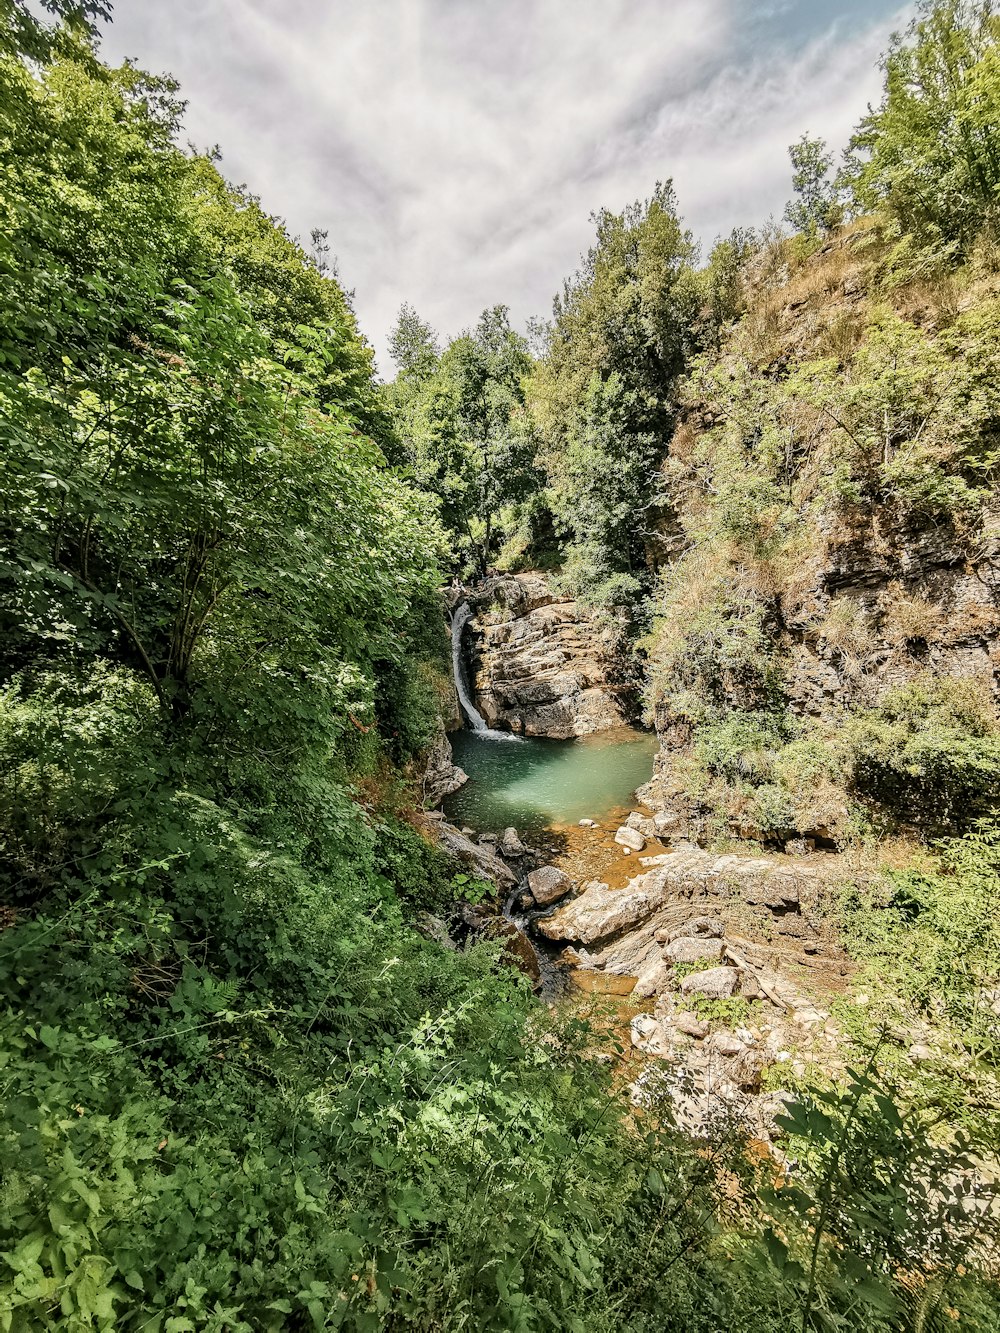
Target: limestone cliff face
point(539, 662)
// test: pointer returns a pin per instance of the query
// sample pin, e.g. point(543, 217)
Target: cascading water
point(477, 722)
point(458, 623)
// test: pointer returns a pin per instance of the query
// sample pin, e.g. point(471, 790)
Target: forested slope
point(241, 1088)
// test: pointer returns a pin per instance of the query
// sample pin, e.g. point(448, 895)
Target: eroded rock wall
point(540, 664)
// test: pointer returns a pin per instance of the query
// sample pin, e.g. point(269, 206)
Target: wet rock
point(484, 861)
point(688, 949)
point(442, 776)
point(548, 884)
point(511, 844)
point(716, 983)
point(631, 838)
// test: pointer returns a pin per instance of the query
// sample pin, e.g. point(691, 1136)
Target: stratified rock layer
point(540, 662)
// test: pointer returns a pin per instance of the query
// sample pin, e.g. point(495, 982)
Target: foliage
point(815, 206)
point(928, 153)
point(603, 395)
point(466, 433)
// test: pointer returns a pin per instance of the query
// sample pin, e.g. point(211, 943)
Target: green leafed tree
point(929, 153)
point(815, 207)
point(604, 394)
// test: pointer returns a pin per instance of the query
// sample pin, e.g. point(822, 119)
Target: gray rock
point(631, 838)
point(541, 661)
point(654, 978)
point(511, 844)
point(665, 823)
point(694, 950)
point(727, 1043)
point(691, 1025)
point(716, 983)
point(710, 926)
point(484, 861)
point(442, 775)
point(642, 824)
point(548, 884)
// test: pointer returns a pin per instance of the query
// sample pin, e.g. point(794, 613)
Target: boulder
point(715, 983)
point(691, 1025)
point(688, 949)
point(654, 978)
point(517, 948)
point(442, 775)
point(511, 844)
point(727, 1043)
point(597, 913)
point(482, 859)
point(631, 838)
point(548, 884)
point(666, 823)
point(642, 824)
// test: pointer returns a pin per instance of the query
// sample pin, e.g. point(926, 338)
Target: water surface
point(534, 784)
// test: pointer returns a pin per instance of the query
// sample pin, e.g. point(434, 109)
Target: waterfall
point(458, 623)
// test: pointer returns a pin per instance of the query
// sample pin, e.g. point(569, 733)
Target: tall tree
point(604, 393)
point(816, 206)
point(930, 152)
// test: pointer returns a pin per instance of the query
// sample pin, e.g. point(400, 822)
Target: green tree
point(413, 345)
point(930, 152)
point(816, 206)
point(604, 394)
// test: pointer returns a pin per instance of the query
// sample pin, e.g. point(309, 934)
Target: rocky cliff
point(828, 633)
point(540, 664)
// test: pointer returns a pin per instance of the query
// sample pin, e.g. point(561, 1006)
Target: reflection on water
point(542, 783)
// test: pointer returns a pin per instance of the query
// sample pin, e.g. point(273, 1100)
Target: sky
point(455, 149)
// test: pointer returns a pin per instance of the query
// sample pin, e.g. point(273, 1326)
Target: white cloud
point(455, 148)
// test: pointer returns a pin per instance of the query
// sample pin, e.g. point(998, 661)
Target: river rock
point(692, 949)
point(716, 983)
point(482, 858)
point(511, 844)
point(642, 824)
point(548, 884)
point(442, 776)
point(631, 838)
